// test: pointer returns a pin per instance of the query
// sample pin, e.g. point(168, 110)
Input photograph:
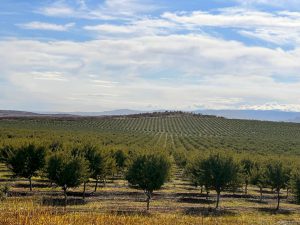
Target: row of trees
point(220, 172)
point(74, 167)
point(69, 168)
point(57, 164)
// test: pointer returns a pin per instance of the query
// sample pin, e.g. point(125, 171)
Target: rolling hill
point(176, 130)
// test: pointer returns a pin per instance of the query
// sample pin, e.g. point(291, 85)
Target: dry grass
point(27, 211)
point(176, 203)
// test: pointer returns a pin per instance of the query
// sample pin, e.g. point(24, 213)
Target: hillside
point(17, 114)
point(14, 113)
point(264, 115)
point(173, 131)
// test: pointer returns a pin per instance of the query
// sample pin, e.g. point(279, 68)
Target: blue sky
point(88, 55)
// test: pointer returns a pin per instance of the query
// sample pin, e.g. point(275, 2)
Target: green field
point(188, 132)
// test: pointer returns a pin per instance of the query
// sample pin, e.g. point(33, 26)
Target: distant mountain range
point(266, 115)
point(118, 112)
point(15, 113)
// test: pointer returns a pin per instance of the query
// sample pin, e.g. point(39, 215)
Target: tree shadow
point(190, 195)
point(34, 185)
point(99, 193)
point(196, 200)
point(265, 191)
point(273, 211)
point(252, 200)
point(237, 196)
point(202, 211)
point(292, 201)
point(20, 193)
point(50, 201)
point(131, 213)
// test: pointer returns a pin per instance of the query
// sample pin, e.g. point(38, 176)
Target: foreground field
point(116, 203)
point(52, 217)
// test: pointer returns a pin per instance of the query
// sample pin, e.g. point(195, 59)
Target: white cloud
point(276, 36)
point(36, 25)
point(141, 27)
point(122, 73)
point(48, 76)
point(238, 18)
point(108, 28)
point(280, 28)
point(291, 4)
point(107, 10)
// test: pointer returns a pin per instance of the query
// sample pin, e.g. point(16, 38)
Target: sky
point(96, 55)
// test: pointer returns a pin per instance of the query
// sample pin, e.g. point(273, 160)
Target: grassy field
point(116, 203)
point(177, 202)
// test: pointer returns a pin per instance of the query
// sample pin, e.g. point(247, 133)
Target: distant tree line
point(70, 167)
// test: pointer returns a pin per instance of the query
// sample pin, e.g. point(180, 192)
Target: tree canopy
point(149, 173)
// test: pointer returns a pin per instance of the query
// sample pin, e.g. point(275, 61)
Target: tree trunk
point(207, 195)
point(84, 187)
point(218, 199)
point(201, 189)
point(287, 193)
point(30, 184)
point(65, 194)
point(260, 189)
point(278, 199)
point(148, 203)
point(148, 194)
point(96, 185)
point(246, 188)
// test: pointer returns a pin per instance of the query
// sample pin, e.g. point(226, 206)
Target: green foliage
point(26, 161)
point(5, 153)
point(218, 172)
point(96, 161)
point(121, 159)
point(247, 166)
point(278, 177)
point(180, 157)
point(4, 189)
point(55, 146)
point(149, 173)
point(194, 173)
point(296, 185)
point(67, 171)
point(100, 164)
point(258, 177)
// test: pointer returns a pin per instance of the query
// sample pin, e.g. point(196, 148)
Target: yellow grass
point(26, 211)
